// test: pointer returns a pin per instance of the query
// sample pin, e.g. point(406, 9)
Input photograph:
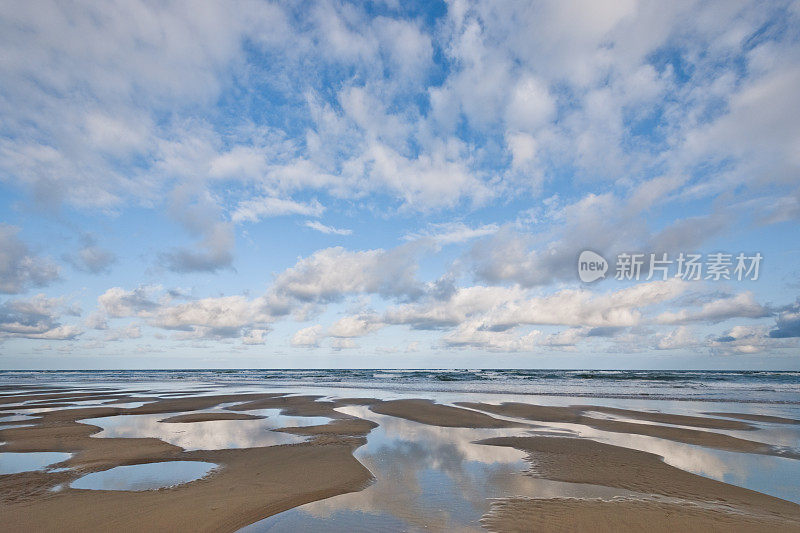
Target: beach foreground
point(289, 460)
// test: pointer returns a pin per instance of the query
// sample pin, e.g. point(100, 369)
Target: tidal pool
point(15, 462)
point(211, 435)
point(148, 476)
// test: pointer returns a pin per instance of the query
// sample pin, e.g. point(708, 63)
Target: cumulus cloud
point(742, 305)
point(329, 274)
point(472, 334)
point(205, 318)
point(788, 324)
point(747, 340)
point(36, 318)
point(256, 336)
point(308, 337)
point(20, 268)
point(679, 338)
point(499, 309)
point(221, 317)
point(326, 276)
point(355, 326)
point(118, 302)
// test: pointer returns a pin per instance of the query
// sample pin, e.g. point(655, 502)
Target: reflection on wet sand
point(12, 463)
point(207, 435)
point(767, 474)
point(427, 478)
point(148, 476)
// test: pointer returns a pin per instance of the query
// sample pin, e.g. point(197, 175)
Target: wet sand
point(709, 439)
point(208, 417)
point(571, 515)
point(250, 484)
point(427, 412)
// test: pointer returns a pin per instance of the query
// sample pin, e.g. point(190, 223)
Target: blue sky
point(395, 184)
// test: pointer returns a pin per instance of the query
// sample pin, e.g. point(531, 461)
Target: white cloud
point(471, 334)
point(355, 326)
point(742, 305)
point(254, 209)
point(328, 230)
point(750, 340)
point(117, 302)
point(452, 232)
point(504, 308)
point(100, 61)
point(679, 338)
point(36, 318)
point(213, 317)
point(308, 337)
point(530, 106)
point(331, 273)
point(255, 336)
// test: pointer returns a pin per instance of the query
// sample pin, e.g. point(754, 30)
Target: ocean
point(770, 387)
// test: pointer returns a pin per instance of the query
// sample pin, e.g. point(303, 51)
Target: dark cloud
point(606, 331)
point(35, 318)
point(788, 323)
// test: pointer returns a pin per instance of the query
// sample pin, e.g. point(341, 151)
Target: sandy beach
point(248, 484)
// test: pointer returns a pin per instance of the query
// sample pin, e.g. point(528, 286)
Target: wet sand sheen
point(574, 415)
point(254, 483)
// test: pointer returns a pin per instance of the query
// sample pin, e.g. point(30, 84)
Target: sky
point(399, 184)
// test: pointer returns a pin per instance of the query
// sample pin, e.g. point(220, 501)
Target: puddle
point(12, 426)
point(124, 405)
point(32, 409)
point(426, 478)
point(211, 435)
point(14, 462)
point(17, 418)
point(144, 477)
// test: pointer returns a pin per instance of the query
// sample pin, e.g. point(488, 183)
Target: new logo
point(591, 266)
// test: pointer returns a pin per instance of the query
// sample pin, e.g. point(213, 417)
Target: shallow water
point(145, 476)
point(211, 435)
point(16, 418)
point(426, 478)
point(13, 462)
